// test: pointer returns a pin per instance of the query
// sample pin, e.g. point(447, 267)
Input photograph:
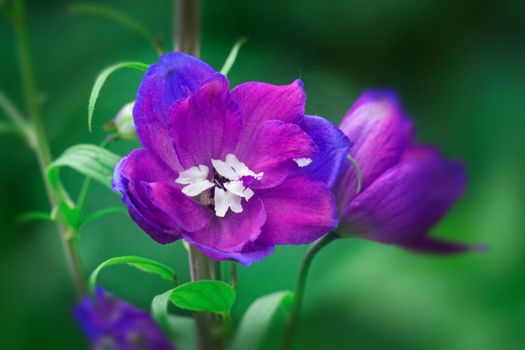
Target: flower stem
point(41, 146)
point(187, 39)
point(300, 286)
point(187, 26)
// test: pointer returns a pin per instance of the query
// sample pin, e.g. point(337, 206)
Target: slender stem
point(200, 269)
point(187, 26)
point(233, 274)
point(41, 149)
point(301, 284)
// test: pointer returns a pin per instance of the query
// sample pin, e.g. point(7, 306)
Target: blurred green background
point(459, 67)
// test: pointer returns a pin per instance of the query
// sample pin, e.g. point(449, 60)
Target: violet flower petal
point(299, 211)
point(129, 178)
point(233, 232)
point(259, 102)
point(272, 150)
point(406, 201)
point(333, 147)
point(205, 125)
point(376, 126)
point(173, 78)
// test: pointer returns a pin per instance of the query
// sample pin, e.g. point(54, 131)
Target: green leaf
point(180, 329)
point(35, 216)
point(232, 57)
point(101, 79)
point(138, 262)
point(118, 17)
point(263, 324)
point(90, 160)
point(71, 216)
point(101, 213)
point(204, 295)
point(159, 308)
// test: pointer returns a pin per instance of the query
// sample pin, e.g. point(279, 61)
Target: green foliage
point(261, 324)
point(35, 216)
point(159, 308)
point(118, 17)
point(70, 216)
point(204, 295)
point(232, 56)
point(92, 161)
point(101, 79)
point(102, 213)
point(138, 262)
point(179, 328)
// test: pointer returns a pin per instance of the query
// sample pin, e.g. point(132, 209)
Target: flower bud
point(124, 122)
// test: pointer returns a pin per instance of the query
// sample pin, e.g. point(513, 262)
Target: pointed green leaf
point(35, 216)
point(262, 325)
point(89, 160)
point(101, 213)
point(159, 308)
point(101, 79)
point(179, 328)
point(138, 262)
point(232, 57)
point(204, 295)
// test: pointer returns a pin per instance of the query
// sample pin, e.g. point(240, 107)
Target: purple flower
point(234, 173)
point(113, 324)
point(406, 188)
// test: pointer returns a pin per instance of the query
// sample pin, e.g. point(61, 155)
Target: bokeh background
point(459, 67)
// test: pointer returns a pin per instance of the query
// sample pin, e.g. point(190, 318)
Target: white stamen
point(195, 179)
point(225, 200)
point(302, 162)
point(231, 193)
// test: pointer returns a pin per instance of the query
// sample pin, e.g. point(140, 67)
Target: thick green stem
point(301, 285)
point(41, 146)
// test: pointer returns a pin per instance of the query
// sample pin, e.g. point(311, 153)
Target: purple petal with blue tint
point(332, 145)
point(406, 201)
point(173, 78)
point(251, 253)
point(130, 176)
point(377, 127)
point(233, 232)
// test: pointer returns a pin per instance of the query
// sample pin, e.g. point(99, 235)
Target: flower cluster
point(237, 172)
